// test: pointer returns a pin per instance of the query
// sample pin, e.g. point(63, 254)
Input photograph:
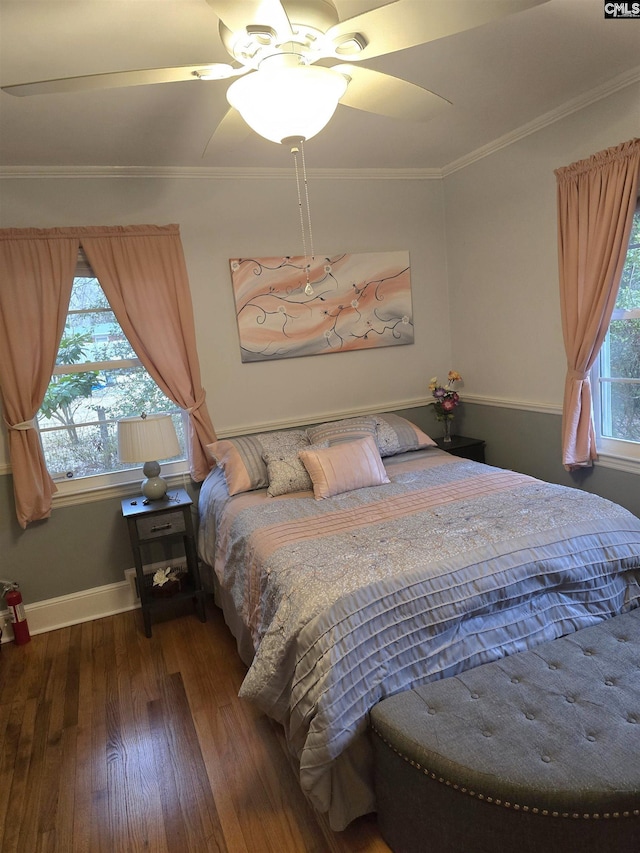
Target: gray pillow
point(285, 470)
point(396, 434)
point(348, 429)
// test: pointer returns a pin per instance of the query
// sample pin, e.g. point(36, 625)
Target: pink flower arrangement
point(446, 398)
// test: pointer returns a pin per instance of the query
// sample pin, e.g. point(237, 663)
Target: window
point(97, 380)
point(616, 373)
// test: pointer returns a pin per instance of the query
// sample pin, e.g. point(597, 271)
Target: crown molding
point(628, 78)
point(215, 173)
point(553, 116)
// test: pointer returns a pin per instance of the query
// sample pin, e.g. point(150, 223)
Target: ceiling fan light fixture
point(350, 45)
point(263, 35)
point(285, 98)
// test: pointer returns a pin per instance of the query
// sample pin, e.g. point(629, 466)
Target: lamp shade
point(285, 100)
point(145, 439)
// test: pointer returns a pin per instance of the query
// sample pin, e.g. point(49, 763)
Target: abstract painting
point(347, 302)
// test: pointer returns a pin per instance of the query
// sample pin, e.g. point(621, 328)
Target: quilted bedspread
point(352, 599)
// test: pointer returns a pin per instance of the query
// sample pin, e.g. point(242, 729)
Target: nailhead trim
point(505, 804)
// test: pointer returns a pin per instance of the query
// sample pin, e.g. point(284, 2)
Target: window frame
point(614, 452)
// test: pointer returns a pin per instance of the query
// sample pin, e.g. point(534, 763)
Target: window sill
point(611, 457)
point(89, 489)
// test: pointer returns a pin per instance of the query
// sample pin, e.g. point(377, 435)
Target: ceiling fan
point(294, 62)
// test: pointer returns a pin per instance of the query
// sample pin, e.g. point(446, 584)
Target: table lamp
point(144, 439)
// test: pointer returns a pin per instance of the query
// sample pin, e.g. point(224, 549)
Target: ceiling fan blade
point(406, 23)
point(117, 79)
point(237, 15)
point(380, 93)
point(230, 132)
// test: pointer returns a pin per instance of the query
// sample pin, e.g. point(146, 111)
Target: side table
point(460, 445)
point(151, 521)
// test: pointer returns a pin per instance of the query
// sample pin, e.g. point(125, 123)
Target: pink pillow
point(243, 471)
point(344, 467)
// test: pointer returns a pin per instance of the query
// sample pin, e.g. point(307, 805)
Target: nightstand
point(467, 448)
point(153, 521)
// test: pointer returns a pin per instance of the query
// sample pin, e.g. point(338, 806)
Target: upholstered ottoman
point(538, 752)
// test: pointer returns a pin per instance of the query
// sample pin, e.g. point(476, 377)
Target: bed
point(393, 563)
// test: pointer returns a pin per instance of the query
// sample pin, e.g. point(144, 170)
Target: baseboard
point(83, 606)
point(71, 609)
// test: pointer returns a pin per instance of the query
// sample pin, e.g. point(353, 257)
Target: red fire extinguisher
point(13, 597)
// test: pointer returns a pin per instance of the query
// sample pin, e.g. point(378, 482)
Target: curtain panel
point(143, 274)
point(36, 277)
point(596, 200)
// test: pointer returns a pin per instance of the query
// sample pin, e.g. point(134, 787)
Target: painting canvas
point(347, 302)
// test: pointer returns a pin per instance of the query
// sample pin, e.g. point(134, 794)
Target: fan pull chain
point(306, 193)
point(295, 151)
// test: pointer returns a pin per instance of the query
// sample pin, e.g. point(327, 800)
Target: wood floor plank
point(66, 802)
point(83, 775)
point(285, 794)
point(11, 675)
point(27, 774)
point(187, 803)
point(131, 783)
point(146, 660)
point(13, 768)
point(264, 825)
point(72, 685)
point(99, 819)
point(213, 739)
point(173, 820)
point(58, 643)
point(98, 708)
point(7, 757)
point(111, 741)
point(124, 827)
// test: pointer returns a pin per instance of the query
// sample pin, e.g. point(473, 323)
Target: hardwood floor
point(115, 742)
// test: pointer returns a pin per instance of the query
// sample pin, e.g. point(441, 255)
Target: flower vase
point(447, 430)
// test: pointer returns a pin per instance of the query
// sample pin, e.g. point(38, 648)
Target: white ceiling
point(500, 78)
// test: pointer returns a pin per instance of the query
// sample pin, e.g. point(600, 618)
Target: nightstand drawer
point(161, 524)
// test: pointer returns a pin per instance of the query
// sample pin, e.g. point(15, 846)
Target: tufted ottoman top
point(554, 730)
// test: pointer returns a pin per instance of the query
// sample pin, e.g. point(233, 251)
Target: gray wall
point(79, 547)
point(530, 442)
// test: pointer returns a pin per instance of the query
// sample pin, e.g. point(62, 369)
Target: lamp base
point(154, 488)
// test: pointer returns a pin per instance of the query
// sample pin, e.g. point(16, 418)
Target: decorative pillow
point(396, 434)
point(242, 463)
point(349, 429)
point(344, 467)
point(241, 458)
point(285, 470)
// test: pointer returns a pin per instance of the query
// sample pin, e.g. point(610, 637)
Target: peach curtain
point(36, 277)
point(596, 200)
point(143, 273)
point(144, 276)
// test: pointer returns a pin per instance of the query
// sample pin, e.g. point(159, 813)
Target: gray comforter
point(352, 599)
